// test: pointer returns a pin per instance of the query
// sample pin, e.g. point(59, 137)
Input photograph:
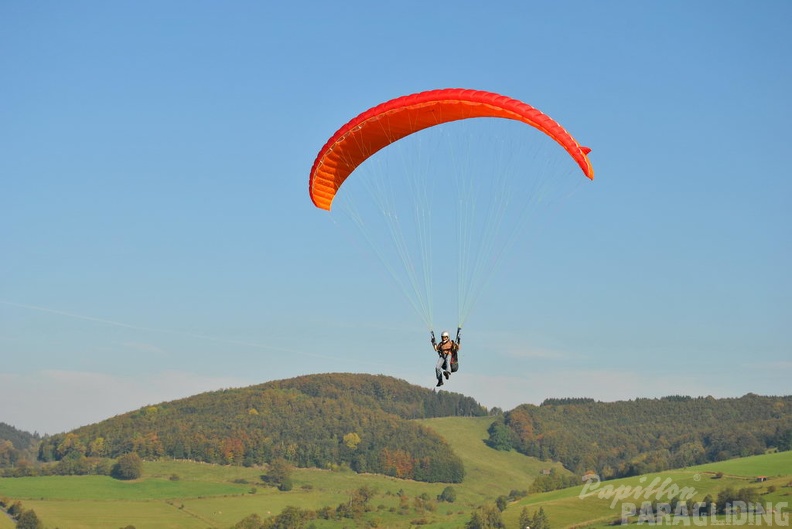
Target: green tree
point(286, 484)
point(748, 495)
point(448, 494)
point(525, 519)
point(128, 466)
point(253, 521)
point(500, 436)
point(540, 520)
point(290, 518)
point(15, 509)
point(29, 520)
point(279, 471)
point(486, 517)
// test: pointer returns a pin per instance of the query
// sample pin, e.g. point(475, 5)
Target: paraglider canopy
point(465, 185)
point(388, 122)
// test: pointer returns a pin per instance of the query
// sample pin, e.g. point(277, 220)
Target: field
point(598, 506)
point(188, 495)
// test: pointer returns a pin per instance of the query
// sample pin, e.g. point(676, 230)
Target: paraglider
point(448, 355)
point(383, 125)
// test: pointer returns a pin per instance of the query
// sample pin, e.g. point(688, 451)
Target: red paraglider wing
point(388, 122)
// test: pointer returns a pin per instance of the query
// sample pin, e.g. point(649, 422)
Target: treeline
point(128, 466)
point(357, 509)
point(359, 421)
point(620, 439)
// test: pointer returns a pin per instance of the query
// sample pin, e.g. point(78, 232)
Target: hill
point(619, 439)
point(604, 504)
point(364, 422)
point(19, 439)
point(220, 496)
point(16, 445)
point(361, 421)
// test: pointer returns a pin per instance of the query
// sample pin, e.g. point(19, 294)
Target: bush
point(29, 520)
point(252, 521)
point(128, 466)
point(448, 494)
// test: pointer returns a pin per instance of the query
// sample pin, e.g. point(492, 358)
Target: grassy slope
point(566, 508)
point(5, 522)
point(488, 473)
point(207, 496)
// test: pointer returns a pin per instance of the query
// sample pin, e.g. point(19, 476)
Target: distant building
point(761, 478)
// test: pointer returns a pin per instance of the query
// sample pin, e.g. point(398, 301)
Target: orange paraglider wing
point(391, 121)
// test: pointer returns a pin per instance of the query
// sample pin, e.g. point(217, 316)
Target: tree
point(448, 494)
point(129, 466)
point(15, 509)
point(253, 521)
point(748, 495)
point(290, 518)
point(286, 484)
point(725, 497)
point(352, 440)
point(29, 520)
point(279, 472)
point(486, 517)
point(525, 519)
point(500, 436)
point(539, 520)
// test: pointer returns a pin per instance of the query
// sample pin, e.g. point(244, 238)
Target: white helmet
point(444, 335)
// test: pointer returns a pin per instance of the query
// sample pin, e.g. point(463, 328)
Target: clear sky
point(157, 239)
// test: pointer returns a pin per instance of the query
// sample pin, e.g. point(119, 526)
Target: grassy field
point(188, 495)
point(595, 507)
point(488, 473)
point(6, 522)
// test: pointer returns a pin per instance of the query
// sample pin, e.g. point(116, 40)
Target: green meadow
point(189, 495)
point(600, 505)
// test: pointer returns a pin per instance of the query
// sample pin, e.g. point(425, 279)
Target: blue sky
point(158, 240)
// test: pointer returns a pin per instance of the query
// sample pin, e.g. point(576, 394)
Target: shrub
point(448, 494)
point(286, 485)
point(129, 466)
point(29, 520)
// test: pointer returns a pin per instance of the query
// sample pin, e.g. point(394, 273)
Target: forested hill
point(15, 445)
point(312, 421)
point(385, 393)
point(632, 437)
point(18, 439)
